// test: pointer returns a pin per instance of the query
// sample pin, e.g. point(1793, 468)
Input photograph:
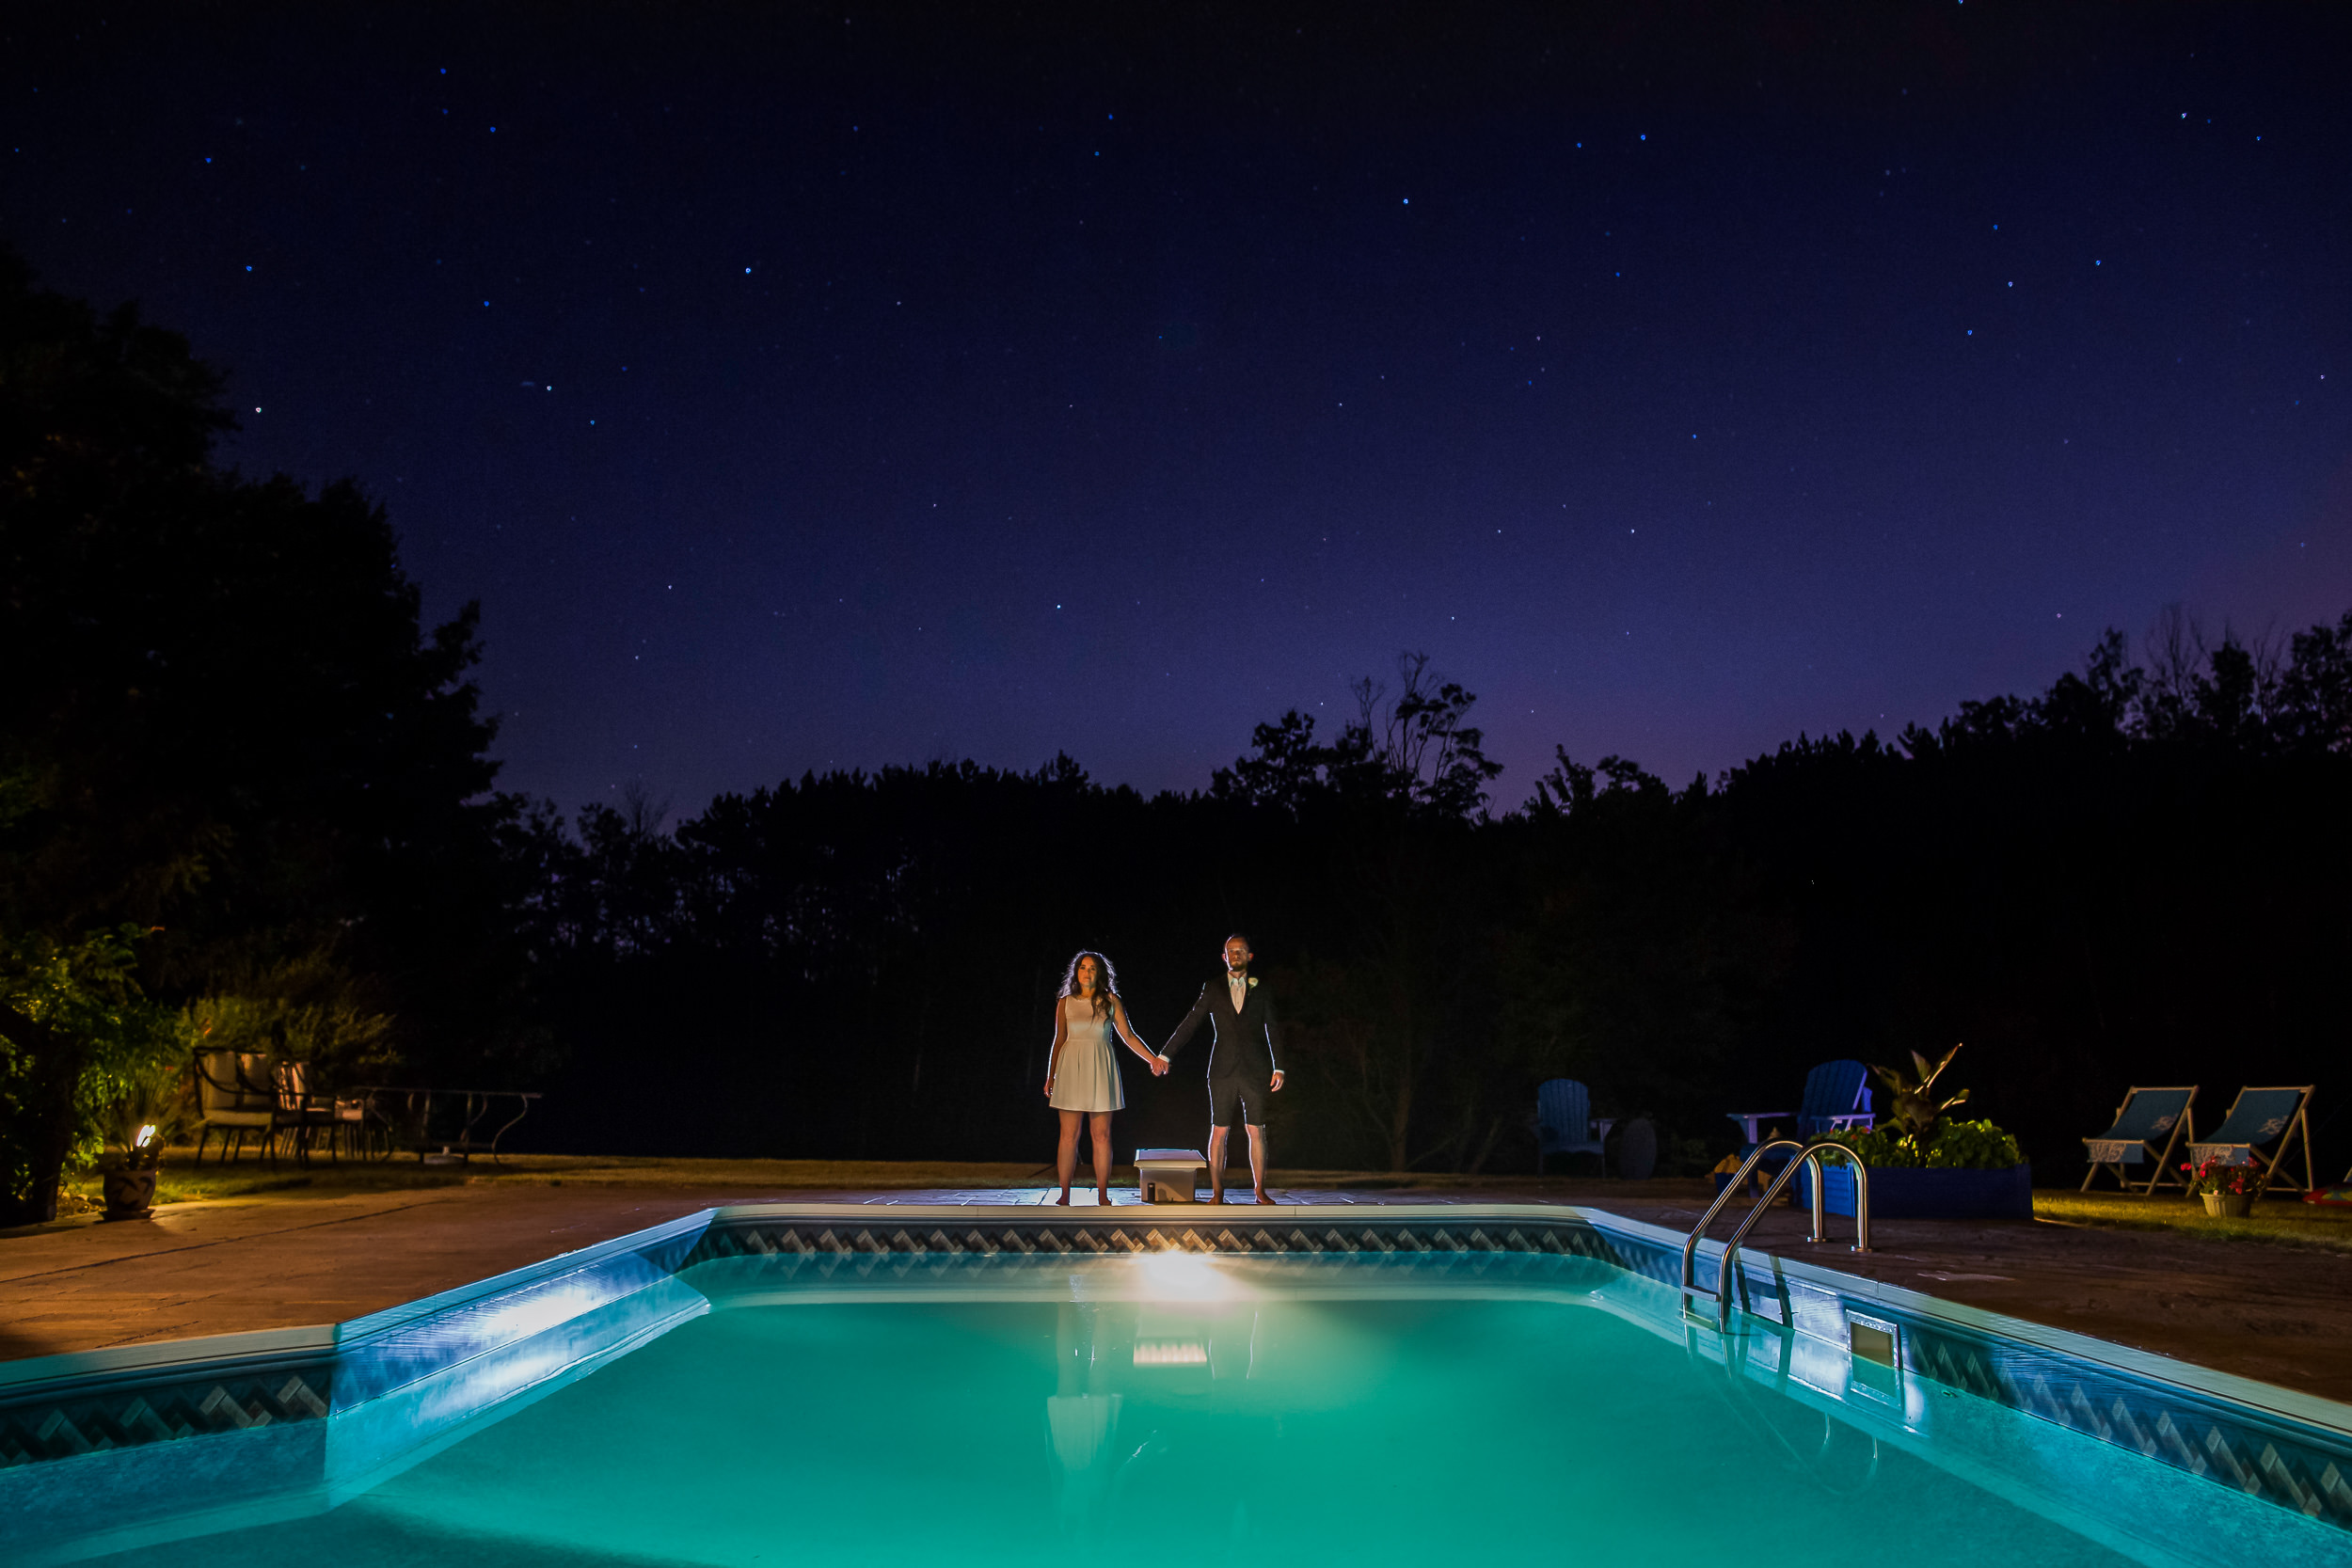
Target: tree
point(1418, 752)
point(1390, 807)
point(221, 716)
point(76, 1031)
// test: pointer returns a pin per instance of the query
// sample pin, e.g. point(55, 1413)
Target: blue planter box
point(1923, 1194)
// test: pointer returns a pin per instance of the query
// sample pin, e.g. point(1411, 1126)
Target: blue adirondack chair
point(1836, 1100)
point(2149, 1125)
point(1565, 1122)
point(2272, 1116)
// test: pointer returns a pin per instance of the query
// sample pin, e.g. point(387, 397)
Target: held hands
point(1159, 1066)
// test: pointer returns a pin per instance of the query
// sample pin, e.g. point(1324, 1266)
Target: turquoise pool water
point(1304, 1412)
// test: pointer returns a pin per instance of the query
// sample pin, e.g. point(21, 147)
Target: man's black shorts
point(1237, 1099)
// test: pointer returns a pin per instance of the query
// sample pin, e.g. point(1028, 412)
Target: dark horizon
point(1000, 387)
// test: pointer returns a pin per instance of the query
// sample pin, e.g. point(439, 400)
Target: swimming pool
point(860, 1386)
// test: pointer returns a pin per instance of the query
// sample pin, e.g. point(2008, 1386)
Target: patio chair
point(306, 1112)
point(1836, 1100)
point(2148, 1126)
point(1564, 1123)
point(2272, 1116)
point(235, 1096)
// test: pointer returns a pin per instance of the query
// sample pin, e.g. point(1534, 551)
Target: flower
point(2217, 1173)
point(1253, 981)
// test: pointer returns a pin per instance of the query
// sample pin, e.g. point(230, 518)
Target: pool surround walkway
point(2281, 1315)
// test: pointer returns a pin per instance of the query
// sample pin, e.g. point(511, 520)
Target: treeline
point(2136, 875)
point(247, 802)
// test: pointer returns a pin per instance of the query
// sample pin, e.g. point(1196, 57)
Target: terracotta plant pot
point(130, 1194)
point(2229, 1205)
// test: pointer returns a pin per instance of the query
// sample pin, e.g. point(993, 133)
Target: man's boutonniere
point(1253, 981)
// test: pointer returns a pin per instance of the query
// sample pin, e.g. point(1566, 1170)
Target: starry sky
point(827, 385)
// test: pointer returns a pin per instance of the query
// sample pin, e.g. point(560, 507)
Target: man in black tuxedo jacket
point(1244, 1068)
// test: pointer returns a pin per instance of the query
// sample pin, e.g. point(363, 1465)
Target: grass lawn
point(2287, 1219)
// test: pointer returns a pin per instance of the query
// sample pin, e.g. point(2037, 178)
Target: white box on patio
point(1169, 1175)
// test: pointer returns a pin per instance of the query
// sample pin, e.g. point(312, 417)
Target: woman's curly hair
point(1106, 978)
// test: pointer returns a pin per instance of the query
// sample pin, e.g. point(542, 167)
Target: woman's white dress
point(1086, 1076)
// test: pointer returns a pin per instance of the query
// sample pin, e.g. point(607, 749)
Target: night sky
point(827, 386)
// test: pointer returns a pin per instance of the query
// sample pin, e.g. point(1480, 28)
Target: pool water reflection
point(1306, 1412)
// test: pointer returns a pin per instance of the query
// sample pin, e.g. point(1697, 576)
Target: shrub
point(1973, 1145)
point(1955, 1145)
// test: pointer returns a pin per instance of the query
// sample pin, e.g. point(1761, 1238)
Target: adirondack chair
point(1836, 1099)
point(2148, 1126)
point(2260, 1119)
point(1564, 1123)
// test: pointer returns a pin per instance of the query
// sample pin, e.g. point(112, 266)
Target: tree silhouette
point(221, 717)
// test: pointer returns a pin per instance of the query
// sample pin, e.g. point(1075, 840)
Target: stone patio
point(2281, 1314)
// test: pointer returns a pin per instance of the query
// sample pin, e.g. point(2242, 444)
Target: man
point(1243, 1067)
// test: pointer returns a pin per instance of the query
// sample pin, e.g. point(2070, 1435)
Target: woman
point(1081, 1070)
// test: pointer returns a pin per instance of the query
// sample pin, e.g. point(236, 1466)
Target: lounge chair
point(1564, 1123)
point(2259, 1118)
point(1836, 1100)
point(2148, 1126)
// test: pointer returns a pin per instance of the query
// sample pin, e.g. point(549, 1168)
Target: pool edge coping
point(24, 1377)
point(2288, 1404)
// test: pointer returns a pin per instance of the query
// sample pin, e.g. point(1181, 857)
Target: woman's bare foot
point(1063, 1201)
point(1262, 1197)
point(1216, 1195)
point(1103, 1197)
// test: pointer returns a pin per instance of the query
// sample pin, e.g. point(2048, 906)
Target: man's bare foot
point(1262, 1197)
point(1103, 1197)
point(1063, 1200)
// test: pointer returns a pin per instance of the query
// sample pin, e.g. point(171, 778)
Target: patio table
point(405, 1113)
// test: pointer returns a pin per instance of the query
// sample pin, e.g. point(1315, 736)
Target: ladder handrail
point(1726, 1269)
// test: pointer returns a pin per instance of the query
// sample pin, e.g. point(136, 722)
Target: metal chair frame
point(263, 1105)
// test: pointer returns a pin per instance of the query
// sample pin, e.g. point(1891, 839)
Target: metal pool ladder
point(1727, 1273)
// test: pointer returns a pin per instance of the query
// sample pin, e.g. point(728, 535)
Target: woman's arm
point(1053, 1055)
point(1119, 1018)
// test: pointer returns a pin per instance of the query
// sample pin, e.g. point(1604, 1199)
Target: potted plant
point(152, 1106)
point(1925, 1165)
point(2228, 1189)
point(127, 1175)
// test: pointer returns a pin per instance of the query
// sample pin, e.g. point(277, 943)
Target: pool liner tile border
point(2292, 1450)
point(396, 1383)
point(157, 1447)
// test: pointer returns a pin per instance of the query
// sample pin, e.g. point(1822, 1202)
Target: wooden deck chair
point(1836, 1100)
point(2272, 1116)
point(1564, 1123)
point(2148, 1126)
